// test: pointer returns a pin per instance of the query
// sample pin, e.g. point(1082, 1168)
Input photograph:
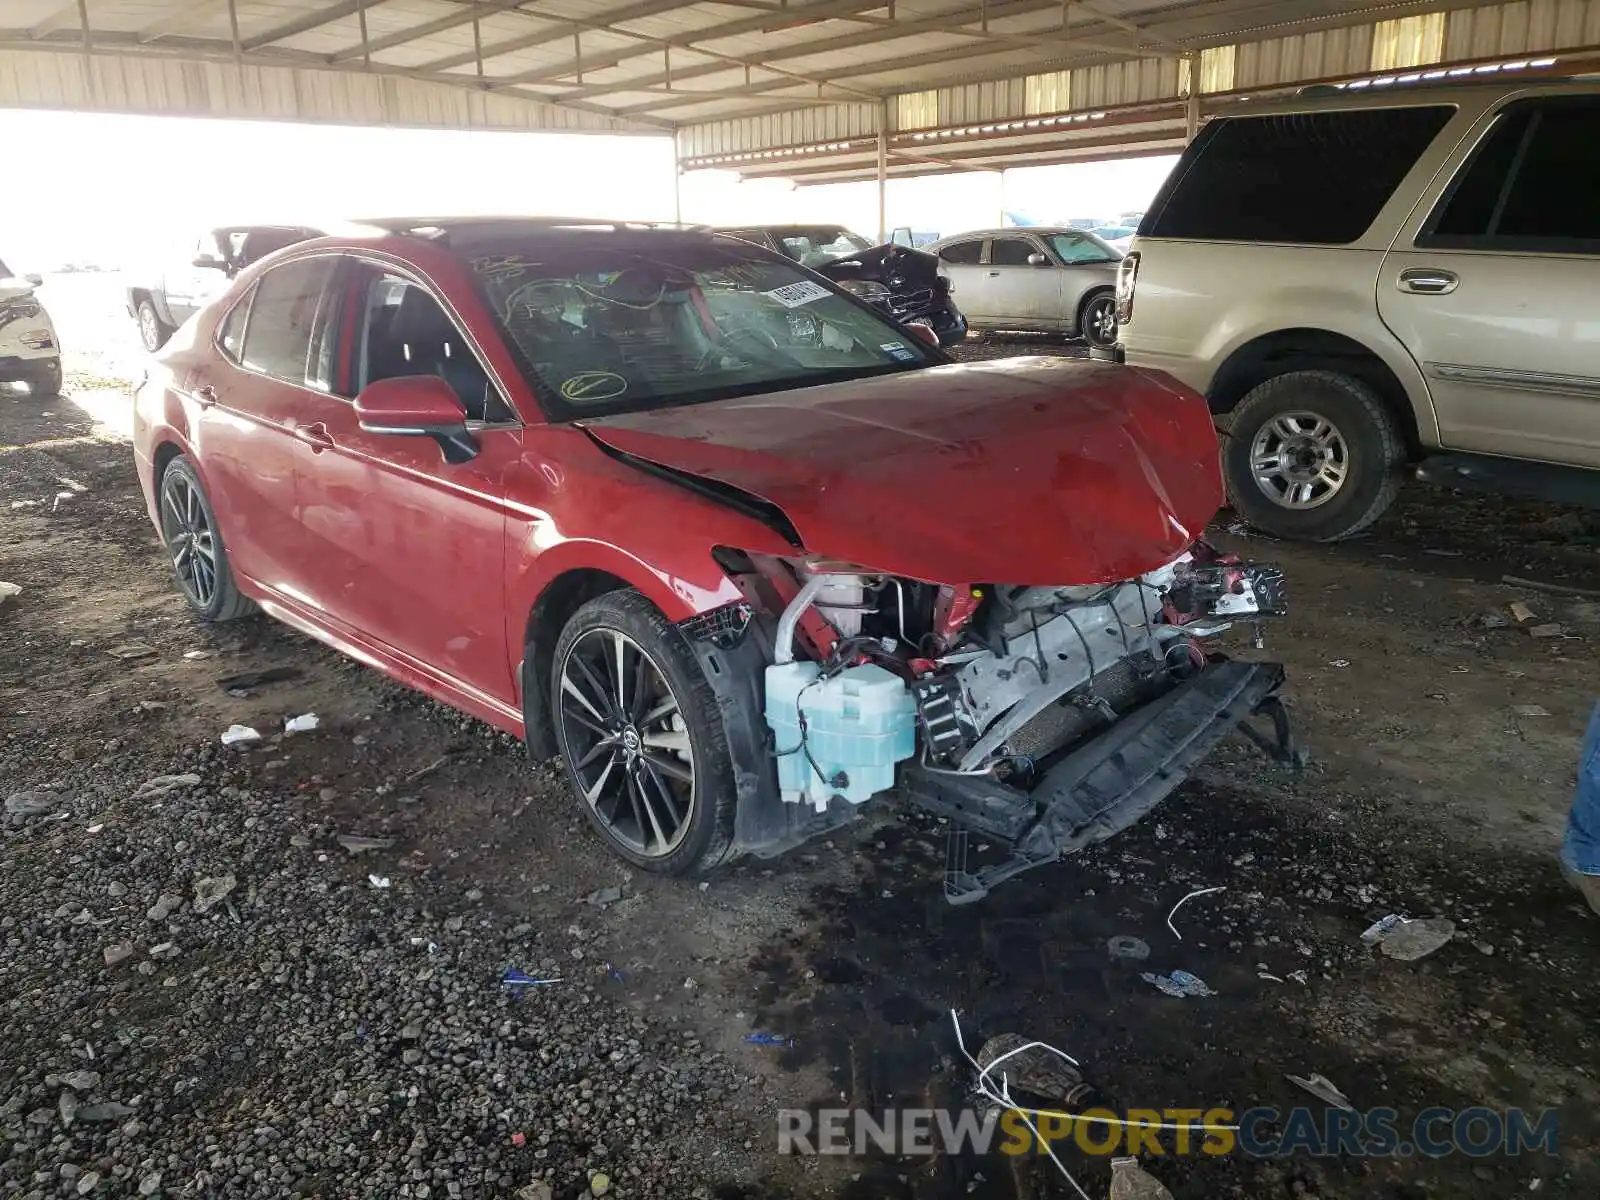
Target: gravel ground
point(203, 993)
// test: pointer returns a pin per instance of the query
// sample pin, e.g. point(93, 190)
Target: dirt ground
point(1430, 792)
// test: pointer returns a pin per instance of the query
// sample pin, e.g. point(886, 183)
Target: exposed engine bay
point(1001, 706)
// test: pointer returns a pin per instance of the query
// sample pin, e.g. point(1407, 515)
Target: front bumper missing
point(1108, 783)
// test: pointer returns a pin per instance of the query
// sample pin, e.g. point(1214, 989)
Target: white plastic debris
point(236, 735)
point(8, 590)
point(304, 723)
point(1185, 900)
point(1418, 939)
point(162, 784)
point(1322, 1088)
point(380, 882)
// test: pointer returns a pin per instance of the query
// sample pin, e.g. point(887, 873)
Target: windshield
point(1082, 248)
point(819, 244)
point(623, 328)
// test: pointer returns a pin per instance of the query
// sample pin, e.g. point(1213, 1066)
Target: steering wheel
point(763, 340)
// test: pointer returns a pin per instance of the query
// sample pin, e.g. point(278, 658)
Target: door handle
point(1428, 281)
point(316, 436)
point(994, 274)
point(205, 395)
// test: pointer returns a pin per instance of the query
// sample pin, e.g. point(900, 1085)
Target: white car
point(29, 351)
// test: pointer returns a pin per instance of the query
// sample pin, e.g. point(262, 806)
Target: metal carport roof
point(795, 87)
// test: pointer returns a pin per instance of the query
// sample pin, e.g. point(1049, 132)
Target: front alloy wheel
point(641, 732)
point(627, 743)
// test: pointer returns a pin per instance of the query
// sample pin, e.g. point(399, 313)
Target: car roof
point(1011, 231)
point(796, 225)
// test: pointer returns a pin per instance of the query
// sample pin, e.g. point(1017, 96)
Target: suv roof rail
point(1441, 76)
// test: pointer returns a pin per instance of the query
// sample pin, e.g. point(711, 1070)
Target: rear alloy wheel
point(194, 547)
point(1313, 455)
point(153, 331)
point(640, 736)
point(1097, 320)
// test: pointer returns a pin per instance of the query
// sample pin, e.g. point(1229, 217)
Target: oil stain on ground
point(866, 986)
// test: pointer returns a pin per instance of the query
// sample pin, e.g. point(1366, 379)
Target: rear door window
point(962, 253)
point(1318, 178)
point(1532, 185)
point(1011, 252)
point(283, 313)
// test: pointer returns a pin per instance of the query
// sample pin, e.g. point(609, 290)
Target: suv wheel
point(1313, 456)
point(153, 331)
point(641, 737)
point(45, 382)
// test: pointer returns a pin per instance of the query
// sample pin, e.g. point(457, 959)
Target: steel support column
point(883, 170)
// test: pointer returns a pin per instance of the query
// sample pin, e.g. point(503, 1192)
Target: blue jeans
point(1581, 849)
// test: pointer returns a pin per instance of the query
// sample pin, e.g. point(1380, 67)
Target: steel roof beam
point(602, 62)
point(66, 15)
point(305, 24)
point(464, 16)
point(900, 29)
point(186, 18)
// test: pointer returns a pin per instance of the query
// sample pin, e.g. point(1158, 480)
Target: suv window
point(962, 253)
point(1530, 185)
point(282, 315)
point(1318, 177)
point(1010, 252)
point(403, 331)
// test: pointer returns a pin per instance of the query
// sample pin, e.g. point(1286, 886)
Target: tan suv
point(1380, 277)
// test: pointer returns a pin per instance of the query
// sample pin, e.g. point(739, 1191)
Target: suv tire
point(45, 382)
point(620, 758)
point(153, 331)
point(1313, 456)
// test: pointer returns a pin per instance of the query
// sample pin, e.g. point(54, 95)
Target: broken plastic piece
point(516, 978)
point(1379, 930)
point(1035, 1068)
point(762, 1038)
point(1130, 1181)
point(357, 844)
point(1417, 939)
point(304, 723)
point(1320, 1087)
point(8, 590)
point(1179, 983)
point(380, 882)
point(236, 735)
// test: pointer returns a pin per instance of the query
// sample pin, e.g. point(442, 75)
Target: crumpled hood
point(1023, 470)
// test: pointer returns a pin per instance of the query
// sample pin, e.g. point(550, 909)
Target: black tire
point(708, 823)
point(153, 331)
point(1097, 319)
point(1366, 442)
point(45, 382)
point(185, 509)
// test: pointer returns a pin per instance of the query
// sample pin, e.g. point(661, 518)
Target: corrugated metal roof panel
point(794, 128)
point(167, 87)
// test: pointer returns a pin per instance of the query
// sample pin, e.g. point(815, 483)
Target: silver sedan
point(1034, 279)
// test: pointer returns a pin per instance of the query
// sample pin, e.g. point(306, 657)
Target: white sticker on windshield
point(793, 295)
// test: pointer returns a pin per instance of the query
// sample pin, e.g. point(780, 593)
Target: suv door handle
point(316, 436)
point(205, 395)
point(1428, 281)
point(994, 274)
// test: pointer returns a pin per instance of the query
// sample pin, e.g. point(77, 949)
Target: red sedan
point(741, 550)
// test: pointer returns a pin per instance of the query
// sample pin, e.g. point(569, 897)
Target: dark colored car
point(724, 537)
point(904, 283)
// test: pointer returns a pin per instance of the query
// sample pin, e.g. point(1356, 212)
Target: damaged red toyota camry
point(741, 550)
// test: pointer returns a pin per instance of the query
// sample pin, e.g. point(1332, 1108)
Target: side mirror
point(34, 278)
point(211, 261)
point(418, 406)
point(924, 333)
point(1038, 260)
